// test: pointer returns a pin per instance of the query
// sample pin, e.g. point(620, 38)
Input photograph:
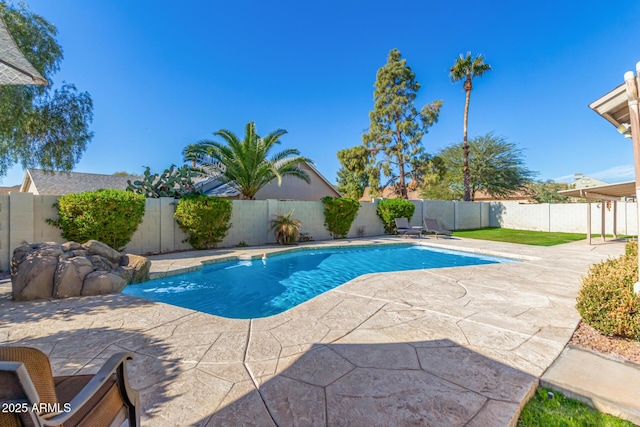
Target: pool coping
point(161, 269)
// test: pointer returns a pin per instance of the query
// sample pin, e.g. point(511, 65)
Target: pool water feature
point(264, 287)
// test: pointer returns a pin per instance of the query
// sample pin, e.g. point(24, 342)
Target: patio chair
point(431, 226)
point(26, 382)
point(404, 229)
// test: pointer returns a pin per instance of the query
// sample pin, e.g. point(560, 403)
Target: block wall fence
point(23, 219)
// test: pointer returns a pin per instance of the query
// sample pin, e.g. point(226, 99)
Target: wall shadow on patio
point(435, 382)
point(84, 351)
point(66, 309)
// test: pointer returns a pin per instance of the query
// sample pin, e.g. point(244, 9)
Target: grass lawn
point(525, 237)
point(561, 411)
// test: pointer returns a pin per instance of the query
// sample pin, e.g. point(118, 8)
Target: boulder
point(18, 255)
point(98, 248)
point(101, 283)
point(70, 275)
point(45, 270)
point(71, 246)
point(125, 272)
point(34, 277)
point(140, 266)
point(102, 263)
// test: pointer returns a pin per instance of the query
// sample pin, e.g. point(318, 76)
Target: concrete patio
point(448, 347)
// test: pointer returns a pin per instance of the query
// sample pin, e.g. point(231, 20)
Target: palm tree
point(194, 153)
point(243, 164)
point(286, 229)
point(466, 68)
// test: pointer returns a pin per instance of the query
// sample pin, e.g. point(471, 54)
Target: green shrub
point(110, 216)
point(205, 219)
point(390, 209)
point(606, 300)
point(339, 213)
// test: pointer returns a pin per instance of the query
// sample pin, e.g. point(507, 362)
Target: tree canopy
point(496, 166)
point(396, 126)
point(41, 126)
point(244, 164)
point(547, 192)
point(352, 175)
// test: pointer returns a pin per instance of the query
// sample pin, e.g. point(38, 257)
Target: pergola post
point(603, 204)
point(631, 82)
point(588, 221)
point(615, 219)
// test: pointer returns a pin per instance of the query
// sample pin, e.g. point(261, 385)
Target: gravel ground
point(587, 337)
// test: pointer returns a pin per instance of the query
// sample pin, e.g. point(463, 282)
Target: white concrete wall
point(564, 217)
point(5, 250)
point(367, 221)
point(568, 218)
point(520, 216)
point(443, 211)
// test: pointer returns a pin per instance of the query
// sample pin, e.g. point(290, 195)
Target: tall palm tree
point(466, 68)
point(194, 153)
point(243, 164)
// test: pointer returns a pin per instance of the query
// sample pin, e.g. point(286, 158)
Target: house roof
point(388, 193)
point(14, 67)
point(603, 192)
point(520, 195)
point(7, 190)
point(218, 188)
point(61, 183)
point(214, 187)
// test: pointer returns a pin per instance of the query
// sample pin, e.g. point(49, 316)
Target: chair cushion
point(38, 366)
point(100, 410)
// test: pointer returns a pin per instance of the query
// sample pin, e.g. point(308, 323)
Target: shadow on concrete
point(85, 350)
point(66, 309)
point(424, 383)
point(190, 254)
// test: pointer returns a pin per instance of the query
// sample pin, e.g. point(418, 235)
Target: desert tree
point(496, 166)
point(41, 126)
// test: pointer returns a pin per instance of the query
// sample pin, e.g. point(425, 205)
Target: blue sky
point(164, 74)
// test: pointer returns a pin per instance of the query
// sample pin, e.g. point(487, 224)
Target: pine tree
point(397, 127)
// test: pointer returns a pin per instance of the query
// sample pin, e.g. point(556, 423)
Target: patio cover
point(610, 192)
point(613, 106)
point(14, 67)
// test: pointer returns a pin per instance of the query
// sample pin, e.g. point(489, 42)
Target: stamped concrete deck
point(448, 347)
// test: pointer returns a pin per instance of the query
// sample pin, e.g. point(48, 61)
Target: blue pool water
point(260, 288)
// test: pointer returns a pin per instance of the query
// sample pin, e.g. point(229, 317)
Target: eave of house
point(613, 106)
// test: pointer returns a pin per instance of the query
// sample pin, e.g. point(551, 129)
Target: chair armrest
point(110, 367)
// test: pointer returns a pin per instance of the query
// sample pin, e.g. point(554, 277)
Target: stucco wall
point(566, 217)
point(443, 211)
point(297, 189)
point(23, 218)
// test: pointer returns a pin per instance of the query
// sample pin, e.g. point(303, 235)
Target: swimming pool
point(264, 287)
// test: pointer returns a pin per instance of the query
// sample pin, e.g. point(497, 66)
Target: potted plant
point(286, 229)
